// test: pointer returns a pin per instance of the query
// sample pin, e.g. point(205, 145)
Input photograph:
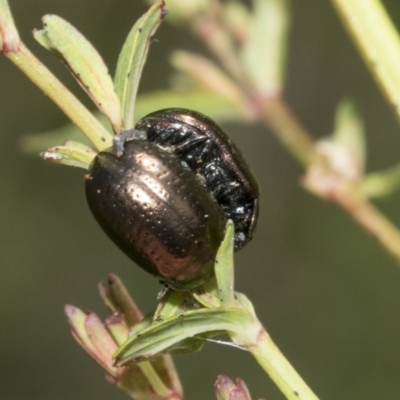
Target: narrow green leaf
point(264, 53)
point(71, 153)
point(224, 268)
point(42, 38)
point(187, 346)
point(132, 59)
point(143, 324)
point(170, 305)
point(345, 149)
point(102, 341)
point(33, 143)
point(77, 318)
point(349, 132)
point(117, 327)
point(207, 294)
point(117, 297)
point(382, 184)
point(244, 301)
point(84, 62)
point(162, 336)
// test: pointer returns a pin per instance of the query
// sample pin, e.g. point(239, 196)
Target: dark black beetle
point(210, 153)
point(164, 192)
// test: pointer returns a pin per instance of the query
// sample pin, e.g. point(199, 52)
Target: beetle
point(164, 191)
point(198, 141)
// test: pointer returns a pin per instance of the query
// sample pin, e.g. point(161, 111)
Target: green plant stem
point(295, 138)
point(53, 88)
point(378, 42)
point(152, 376)
point(350, 199)
point(274, 363)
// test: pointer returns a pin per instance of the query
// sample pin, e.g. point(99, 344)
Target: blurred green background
point(325, 290)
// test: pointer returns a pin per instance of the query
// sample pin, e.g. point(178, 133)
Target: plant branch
point(280, 370)
point(322, 180)
point(276, 114)
point(369, 217)
point(256, 340)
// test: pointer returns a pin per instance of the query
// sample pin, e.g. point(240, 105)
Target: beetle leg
point(164, 290)
point(127, 136)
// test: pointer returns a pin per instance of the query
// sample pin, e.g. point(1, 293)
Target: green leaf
point(345, 149)
point(382, 184)
point(132, 59)
point(143, 324)
point(207, 294)
point(76, 319)
point(117, 298)
point(34, 143)
point(42, 38)
point(71, 153)
point(162, 336)
point(187, 346)
point(170, 305)
point(264, 53)
point(224, 272)
point(349, 131)
point(89, 332)
point(244, 302)
point(117, 327)
point(84, 62)
point(101, 340)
